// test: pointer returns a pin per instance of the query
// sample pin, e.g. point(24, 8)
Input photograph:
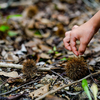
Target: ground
point(33, 59)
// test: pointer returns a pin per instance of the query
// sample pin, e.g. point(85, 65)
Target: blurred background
point(41, 24)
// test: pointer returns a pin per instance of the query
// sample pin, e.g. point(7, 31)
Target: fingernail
point(80, 53)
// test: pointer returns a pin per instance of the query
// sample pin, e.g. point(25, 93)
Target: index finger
point(73, 46)
point(67, 33)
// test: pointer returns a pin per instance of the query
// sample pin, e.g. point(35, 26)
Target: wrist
point(90, 27)
point(93, 26)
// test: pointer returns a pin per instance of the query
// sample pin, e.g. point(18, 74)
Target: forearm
point(95, 22)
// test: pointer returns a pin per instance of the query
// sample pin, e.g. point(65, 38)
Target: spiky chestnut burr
point(76, 68)
point(61, 31)
point(30, 11)
point(29, 68)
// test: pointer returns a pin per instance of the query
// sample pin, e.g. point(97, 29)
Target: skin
point(83, 33)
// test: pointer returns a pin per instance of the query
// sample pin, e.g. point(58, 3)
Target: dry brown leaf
point(13, 80)
point(69, 1)
point(44, 56)
point(44, 47)
point(31, 24)
point(45, 21)
point(50, 40)
point(29, 33)
point(10, 74)
point(12, 57)
point(51, 97)
point(58, 54)
point(63, 18)
point(61, 7)
point(30, 44)
point(46, 35)
point(40, 91)
point(33, 43)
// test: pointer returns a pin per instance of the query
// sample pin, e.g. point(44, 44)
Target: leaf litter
point(35, 32)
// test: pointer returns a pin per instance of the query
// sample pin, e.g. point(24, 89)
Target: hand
point(84, 33)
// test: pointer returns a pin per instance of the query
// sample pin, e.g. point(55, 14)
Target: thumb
point(82, 48)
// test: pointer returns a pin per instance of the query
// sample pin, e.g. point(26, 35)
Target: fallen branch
point(36, 80)
point(10, 65)
point(53, 91)
point(18, 66)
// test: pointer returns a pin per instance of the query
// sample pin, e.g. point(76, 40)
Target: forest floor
point(34, 63)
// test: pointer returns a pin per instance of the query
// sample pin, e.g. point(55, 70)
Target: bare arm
point(84, 33)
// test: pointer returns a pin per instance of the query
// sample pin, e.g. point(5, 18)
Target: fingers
point(67, 34)
point(66, 40)
point(73, 46)
point(82, 48)
point(70, 42)
point(75, 26)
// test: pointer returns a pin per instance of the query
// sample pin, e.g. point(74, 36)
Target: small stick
point(18, 66)
point(59, 88)
point(59, 76)
point(36, 80)
point(10, 65)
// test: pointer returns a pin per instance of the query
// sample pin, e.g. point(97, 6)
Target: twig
point(69, 93)
point(59, 76)
point(76, 95)
point(53, 91)
point(15, 4)
point(3, 84)
point(19, 87)
point(10, 65)
point(18, 66)
point(93, 79)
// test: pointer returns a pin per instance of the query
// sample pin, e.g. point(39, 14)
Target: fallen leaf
point(63, 19)
point(31, 24)
point(58, 54)
point(51, 97)
point(94, 89)
point(10, 74)
point(60, 6)
point(45, 56)
point(23, 49)
point(33, 43)
point(40, 91)
point(45, 21)
point(44, 47)
point(30, 44)
point(50, 40)
point(18, 80)
point(12, 57)
point(46, 35)
point(29, 33)
point(97, 49)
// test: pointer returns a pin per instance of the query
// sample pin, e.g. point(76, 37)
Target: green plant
point(13, 16)
point(63, 59)
point(85, 87)
point(94, 89)
point(5, 28)
point(54, 50)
